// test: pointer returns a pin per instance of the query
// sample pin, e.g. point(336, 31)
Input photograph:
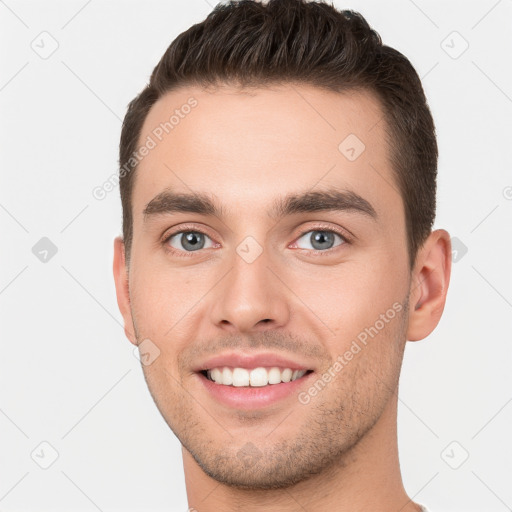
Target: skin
point(246, 148)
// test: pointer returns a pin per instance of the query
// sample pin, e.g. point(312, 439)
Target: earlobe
point(122, 288)
point(429, 285)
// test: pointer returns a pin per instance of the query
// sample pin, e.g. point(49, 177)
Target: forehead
point(247, 147)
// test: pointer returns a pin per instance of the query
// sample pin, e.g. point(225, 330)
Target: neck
point(366, 478)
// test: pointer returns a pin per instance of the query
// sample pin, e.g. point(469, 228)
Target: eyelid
point(185, 228)
point(345, 234)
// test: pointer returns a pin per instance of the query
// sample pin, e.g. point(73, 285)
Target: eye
point(189, 241)
point(320, 239)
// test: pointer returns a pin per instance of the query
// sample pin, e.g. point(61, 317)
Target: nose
point(250, 298)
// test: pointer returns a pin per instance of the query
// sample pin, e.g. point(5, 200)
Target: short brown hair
point(253, 44)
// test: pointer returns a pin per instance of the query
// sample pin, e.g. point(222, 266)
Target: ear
point(122, 289)
point(429, 285)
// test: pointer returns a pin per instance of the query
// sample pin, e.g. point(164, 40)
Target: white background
point(68, 375)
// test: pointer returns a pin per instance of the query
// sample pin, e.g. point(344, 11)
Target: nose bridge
point(250, 292)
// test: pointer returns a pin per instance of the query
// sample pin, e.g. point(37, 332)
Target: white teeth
point(274, 376)
point(227, 376)
point(286, 375)
point(216, 375)
point(256, 377)
point(240, 377)
point(259, 377)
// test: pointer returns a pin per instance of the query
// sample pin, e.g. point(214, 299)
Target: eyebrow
point(169, 202)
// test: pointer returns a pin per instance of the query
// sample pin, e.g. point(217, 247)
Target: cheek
point(167, 303)
point(158, 299)
point(352, 296)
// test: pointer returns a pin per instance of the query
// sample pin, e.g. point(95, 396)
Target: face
point(295, 259)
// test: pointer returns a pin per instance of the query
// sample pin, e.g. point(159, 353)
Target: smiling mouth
point(255, 377)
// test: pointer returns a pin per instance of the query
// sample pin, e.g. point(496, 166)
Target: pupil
point(193, 241)
point(322, 238)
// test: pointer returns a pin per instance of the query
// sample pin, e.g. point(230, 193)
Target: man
point(278, 182)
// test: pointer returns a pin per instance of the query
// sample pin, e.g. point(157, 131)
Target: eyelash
point(314, 252)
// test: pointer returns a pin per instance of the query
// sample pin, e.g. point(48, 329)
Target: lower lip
point(248, 398)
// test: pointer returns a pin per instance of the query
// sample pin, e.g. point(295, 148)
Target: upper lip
point(252, 360)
